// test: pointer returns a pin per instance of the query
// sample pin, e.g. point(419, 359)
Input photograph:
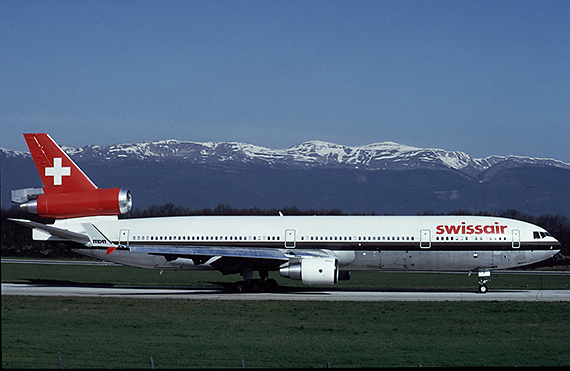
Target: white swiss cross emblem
point(57, 171)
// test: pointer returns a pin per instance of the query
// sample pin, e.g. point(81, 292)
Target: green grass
point(120, 275)
point(178, 333)
point(125, 333)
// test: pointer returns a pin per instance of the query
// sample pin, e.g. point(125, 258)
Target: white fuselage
point(451, 243)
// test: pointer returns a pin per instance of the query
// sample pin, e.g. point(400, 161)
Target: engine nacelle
point(313, 271)
point(109, 201)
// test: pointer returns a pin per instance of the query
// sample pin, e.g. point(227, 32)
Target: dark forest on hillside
point(17, 239)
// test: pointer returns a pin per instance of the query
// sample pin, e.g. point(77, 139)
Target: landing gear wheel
point(484, 277)
point(483, 289)
point(270, 285)
point(255, 286)
point(241, 287)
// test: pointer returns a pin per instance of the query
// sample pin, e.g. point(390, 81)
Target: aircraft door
point(425, 238)
point(124, 237)
point(516, 238)
point(290, 238)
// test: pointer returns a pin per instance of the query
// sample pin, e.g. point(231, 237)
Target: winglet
point(97, 238)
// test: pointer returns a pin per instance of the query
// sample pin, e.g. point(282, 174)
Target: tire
point(271, 285)
point(254, 286)
point(241, 287)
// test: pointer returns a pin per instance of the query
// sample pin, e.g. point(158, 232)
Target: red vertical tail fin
point(58, 172)
point(67, 191)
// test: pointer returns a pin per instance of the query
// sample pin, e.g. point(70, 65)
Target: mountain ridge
point(376, 156)
point(383, 177)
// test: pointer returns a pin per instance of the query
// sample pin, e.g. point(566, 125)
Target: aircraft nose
point(555, 245)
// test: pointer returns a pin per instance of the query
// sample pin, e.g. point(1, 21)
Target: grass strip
point(121, 275)
point(125, 333)
point(178, 333)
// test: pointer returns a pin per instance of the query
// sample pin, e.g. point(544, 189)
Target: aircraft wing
point(230, 259)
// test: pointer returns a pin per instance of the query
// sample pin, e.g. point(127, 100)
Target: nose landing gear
point(484, 277)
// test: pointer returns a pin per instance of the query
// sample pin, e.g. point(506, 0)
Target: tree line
point(17, 240)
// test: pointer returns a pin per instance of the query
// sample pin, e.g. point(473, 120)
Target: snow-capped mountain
point(378, 156)
point(383, 177)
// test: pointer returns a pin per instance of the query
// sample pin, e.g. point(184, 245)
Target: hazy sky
point(483, 77)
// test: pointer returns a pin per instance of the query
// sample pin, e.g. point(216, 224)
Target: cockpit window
point(538, 235)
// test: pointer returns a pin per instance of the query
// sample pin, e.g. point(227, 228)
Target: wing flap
point(255, 253)
point(211, 251)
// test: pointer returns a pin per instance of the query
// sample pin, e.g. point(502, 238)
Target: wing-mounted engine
point(109, 201)
point(312, 271)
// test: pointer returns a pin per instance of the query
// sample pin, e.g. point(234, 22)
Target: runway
point(284, 294)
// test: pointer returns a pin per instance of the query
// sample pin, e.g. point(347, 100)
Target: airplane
point(317, 250)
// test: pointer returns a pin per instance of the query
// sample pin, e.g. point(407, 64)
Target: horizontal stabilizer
point(54, 231)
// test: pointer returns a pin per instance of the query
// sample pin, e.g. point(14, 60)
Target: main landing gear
point(262, 284)
point(484, 277)
point(257, 285)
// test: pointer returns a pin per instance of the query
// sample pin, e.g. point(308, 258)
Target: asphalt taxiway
point(291, 294)
point(307, 294)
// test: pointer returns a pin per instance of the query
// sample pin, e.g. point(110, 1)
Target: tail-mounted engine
point(109, 201)
point(313, 271)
